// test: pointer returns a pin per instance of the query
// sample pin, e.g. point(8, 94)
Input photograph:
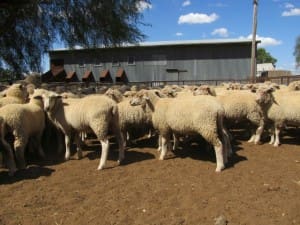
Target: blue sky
point(278, 23)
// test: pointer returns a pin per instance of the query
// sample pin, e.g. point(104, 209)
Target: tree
point(265, 57)
point(29, 28)
point(297, 52)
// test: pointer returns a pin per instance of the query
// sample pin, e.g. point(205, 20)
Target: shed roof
point(170, 43)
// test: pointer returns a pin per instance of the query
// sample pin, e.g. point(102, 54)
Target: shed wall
point(202, 62)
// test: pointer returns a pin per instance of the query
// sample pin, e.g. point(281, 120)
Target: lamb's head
point(204, 90)
point(114, 94)
point(19, 91)
point(264, 96)
point(140, 98)
point(169, 92)
point(144, 97)
point(51, 100)
point(37, 100)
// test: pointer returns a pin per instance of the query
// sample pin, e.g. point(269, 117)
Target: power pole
point(253, 49)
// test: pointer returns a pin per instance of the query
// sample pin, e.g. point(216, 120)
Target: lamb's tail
point(2, 126)
point(224, 135)
point(115, 110)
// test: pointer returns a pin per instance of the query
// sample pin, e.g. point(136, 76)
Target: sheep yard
point(261, 185)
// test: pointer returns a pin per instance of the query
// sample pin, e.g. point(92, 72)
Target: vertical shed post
point(253, 48)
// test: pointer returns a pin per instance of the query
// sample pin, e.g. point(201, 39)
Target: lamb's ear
point(158, 93)
point(253, 89)
point(38, 97)
point(20, 86)
point(270, 90)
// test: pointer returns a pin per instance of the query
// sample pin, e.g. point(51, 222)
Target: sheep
point(16, 93)
point(202, 115)
point(24, 121)
point(95, 112)
point(285, 111)
point(242, 105)
point(130, 118)
point(294, 86)
point(33, 78)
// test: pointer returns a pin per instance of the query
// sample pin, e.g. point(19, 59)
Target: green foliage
point(264, 57)
point(7, 75)
point(297, 52)
point(29, 28)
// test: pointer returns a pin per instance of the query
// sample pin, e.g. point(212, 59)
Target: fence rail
point(284, 80)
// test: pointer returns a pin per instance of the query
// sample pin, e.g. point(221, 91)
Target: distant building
point(268, 70)
point(263, 67)
point(157, 61)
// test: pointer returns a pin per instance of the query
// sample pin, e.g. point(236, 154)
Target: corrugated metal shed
point(201, 59)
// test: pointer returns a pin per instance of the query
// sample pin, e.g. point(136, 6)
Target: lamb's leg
point(159, 143)
point(104, 153)
point(252, 138)
point(150, 133)
point(272, 138)
point(38, 140)
point(59, 138)
point(219, 157)
point(120, 138)
point(9, 157)
point(277, 137)
point(124, 134)
point(68, 145)
point(259, 132)
point(227, 138)
point(227, 147)
point(164, 146)
point(175, 142)
point(19, 146)
point(78, 144)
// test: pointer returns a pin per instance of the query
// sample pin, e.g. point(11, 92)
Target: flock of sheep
point(173, 112)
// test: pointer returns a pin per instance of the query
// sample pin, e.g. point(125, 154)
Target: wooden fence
point(72, 86)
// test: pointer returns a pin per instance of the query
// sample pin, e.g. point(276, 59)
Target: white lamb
point(16, 93)
point(24, 121)
point(243, 105)
point(197, 115)
point(285, 111)
point(92, 113)
point(130, 117)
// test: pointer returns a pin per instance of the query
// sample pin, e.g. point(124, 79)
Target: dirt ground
point(261, 185)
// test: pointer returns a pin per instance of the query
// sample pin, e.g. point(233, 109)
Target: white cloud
point(289, 5)
point(219, 5)
point(197, 18)
point(186, 3)
point(291, 12)
point(179, 34)
point(222, 32)
point(265, 41)
point(142, 5)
